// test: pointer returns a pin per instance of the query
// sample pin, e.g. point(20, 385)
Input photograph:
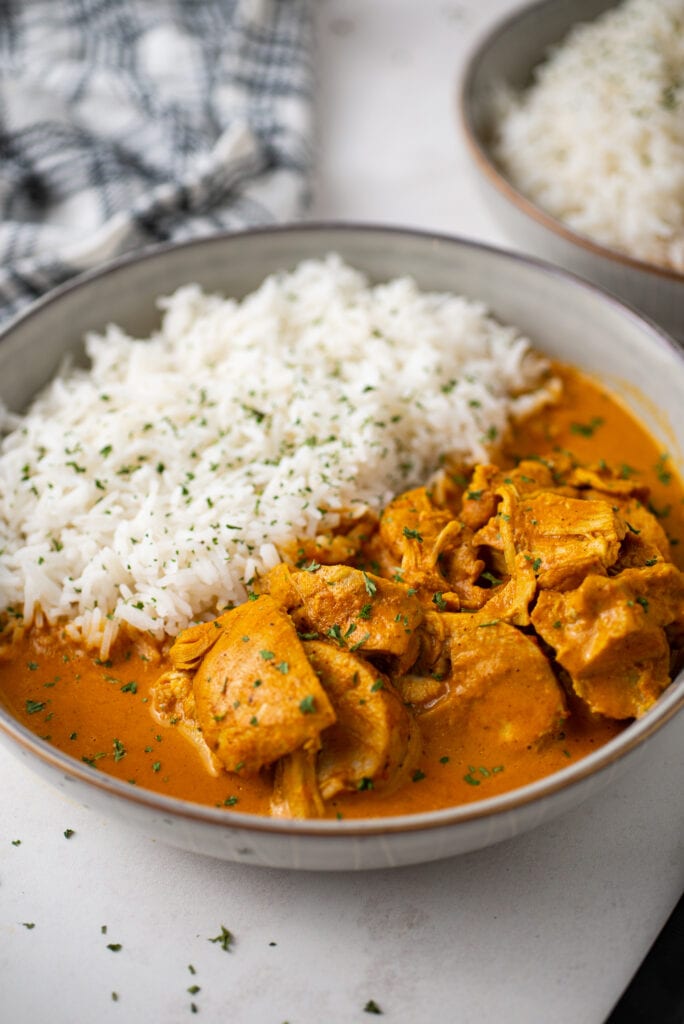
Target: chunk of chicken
point(608, 635)
point(563, 538)
point(257, 696)
point(645, 540)
point(374, 740)
point(499, 683)
point(420, 535)
point(335, 546)
point(354, 609)
point(295, 786)
point(173, 703)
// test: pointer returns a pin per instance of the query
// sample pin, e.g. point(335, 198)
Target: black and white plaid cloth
point(129, 122)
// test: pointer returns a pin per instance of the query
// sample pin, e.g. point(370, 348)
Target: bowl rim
point(594, 764)
point(485, 163)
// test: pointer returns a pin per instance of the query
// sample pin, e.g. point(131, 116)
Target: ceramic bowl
point(507, 56)
point(566, 318)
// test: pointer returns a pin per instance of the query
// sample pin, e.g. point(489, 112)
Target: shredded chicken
point(478, 603)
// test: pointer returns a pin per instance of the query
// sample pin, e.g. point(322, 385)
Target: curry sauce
point(107, 713)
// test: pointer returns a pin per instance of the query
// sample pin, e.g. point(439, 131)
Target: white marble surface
point(548, 927)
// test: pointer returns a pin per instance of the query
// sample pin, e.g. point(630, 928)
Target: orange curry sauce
point(99, 711)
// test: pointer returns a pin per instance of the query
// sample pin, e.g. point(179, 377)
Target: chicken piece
point(480, 498)
point(644, 540)
point(566, 538)
point(256, 695)
point(356, 610)
point(193, 643)
point(420, 534)
point(511, 601)
point(295, 786)
point(335, 546)
point(461, 567)
point(173, 704)
point(602, 481)
point(375, 740)
point(608, 635)
point(563, 538)
point(499, 683)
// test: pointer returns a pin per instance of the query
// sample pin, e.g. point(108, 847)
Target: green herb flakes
point(224, 939)
point(307, 706)
point(372, 1007)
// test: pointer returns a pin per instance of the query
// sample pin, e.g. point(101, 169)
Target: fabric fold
point(124, 124)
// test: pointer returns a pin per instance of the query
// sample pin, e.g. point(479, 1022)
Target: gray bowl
point(508, 55)
point(566, 318)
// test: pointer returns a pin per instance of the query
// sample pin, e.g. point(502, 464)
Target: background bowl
point(508, 56)
point(566, 318)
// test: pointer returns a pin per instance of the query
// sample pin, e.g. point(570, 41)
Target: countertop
point(547, 927)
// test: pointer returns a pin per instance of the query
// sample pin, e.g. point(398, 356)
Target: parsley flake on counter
point(224, 939)
point(29, 924)
point(372, 1007)
point(68, 833)
point(114, 946)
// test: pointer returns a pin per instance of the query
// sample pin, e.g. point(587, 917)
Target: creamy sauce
point(99, 712)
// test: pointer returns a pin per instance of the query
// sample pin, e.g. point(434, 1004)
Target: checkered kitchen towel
point(129, 122)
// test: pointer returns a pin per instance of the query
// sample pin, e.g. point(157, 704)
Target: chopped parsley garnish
point(335, 633)
point(365, 612)
point(438, 599)
point(587, 429)
point(360, 643)
point(412, 534)
point(267, 655)
point(307, 705)
point(365, 783)
point(311, 567)
point(131, 687)
point(663, 474)
point(418, 776)
point(372, 1007)
point(643, 602)
point(119, 750)
point(224, 939)
point(377, 685)
point(33, 706)
point(371, 587)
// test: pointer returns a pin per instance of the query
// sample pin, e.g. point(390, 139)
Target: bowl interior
point(564, 317)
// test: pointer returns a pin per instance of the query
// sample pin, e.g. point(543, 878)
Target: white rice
point(598, 139)
point(153, 487)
